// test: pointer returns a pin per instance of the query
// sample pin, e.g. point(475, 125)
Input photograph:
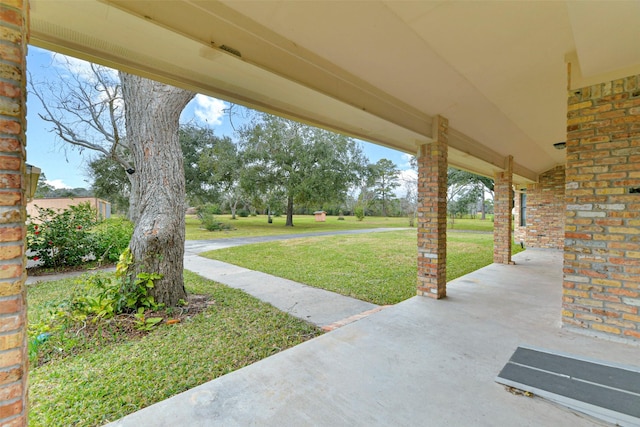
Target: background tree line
point(248, 176)
point(274, 166)
point(154, 168)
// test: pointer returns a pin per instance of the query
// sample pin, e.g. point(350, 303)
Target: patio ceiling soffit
point(235, 71)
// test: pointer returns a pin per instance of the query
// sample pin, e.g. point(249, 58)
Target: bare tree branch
point(86, 110)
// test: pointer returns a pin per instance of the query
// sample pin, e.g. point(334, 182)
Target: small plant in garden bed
point(108, 380)
point(66, 334)
point(107, 309)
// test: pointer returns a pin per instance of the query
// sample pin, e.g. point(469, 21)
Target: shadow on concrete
point(420, 362)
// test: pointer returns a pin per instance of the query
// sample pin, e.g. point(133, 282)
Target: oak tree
point(306, 164)
point(152, 117)
point(133, 121)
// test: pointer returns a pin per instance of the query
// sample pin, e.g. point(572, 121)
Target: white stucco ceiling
point(377, 70)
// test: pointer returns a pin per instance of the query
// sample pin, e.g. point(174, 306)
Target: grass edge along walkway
point(106, 383)
point(379, 268)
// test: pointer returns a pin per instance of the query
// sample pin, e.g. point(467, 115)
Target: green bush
point(93, 311)
point(212, 208)
point(111, 237)
point(359, 213)
point(207, 217)
point(62, 238)
point(122, 295)
point(243, 213)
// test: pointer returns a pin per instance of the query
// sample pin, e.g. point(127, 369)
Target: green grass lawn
point(470, 224)
point(104, 383)
point(378, 267)
point(258, 226)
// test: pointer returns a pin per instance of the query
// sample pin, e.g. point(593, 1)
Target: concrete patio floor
point(420, 362)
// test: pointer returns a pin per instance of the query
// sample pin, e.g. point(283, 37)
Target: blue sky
point(64, 166)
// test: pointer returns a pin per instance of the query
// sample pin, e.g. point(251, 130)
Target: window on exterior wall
point(523, 209)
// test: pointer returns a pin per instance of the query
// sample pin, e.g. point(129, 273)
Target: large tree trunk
point(133, 198)
point(152, 120)
point(289, 222)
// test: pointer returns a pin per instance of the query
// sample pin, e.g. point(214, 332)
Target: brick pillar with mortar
point(502, 219)
point(601, 288)
point(432, 213)
point(13, 354)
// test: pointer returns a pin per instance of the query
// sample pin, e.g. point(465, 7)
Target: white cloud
point(407, 160)
point(209, 110)
point(408, 175)
point(57, 183)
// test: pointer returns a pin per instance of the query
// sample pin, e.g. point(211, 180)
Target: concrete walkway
point(320, 307)
point(32, 280)
point(420, 362)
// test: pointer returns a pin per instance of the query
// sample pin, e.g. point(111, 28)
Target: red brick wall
point(432, 214)
point(601, 291)
point(13, 359)
point(545, 212)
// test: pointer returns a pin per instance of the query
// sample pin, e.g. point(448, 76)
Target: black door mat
point(606, 391)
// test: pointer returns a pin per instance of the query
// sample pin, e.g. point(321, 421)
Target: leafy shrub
point(93, 309)
point(122, 295)
point(207, 217)
point(62, 238)
point(212, 208)
point(359, 213)
point(104, 298)
point(110, 238)
point(243, 213)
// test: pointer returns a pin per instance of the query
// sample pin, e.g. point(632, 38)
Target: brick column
point(13, 354)
point(601, 289)
point(503, 203)
point(432, 213)
point(544, 212)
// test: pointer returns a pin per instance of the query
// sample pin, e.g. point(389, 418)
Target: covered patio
point(415, 363)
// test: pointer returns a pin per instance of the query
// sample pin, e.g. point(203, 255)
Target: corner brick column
point(432, 213)
point(502, 220)
point(545, 211)
point(13, 353)
point(601, 288)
